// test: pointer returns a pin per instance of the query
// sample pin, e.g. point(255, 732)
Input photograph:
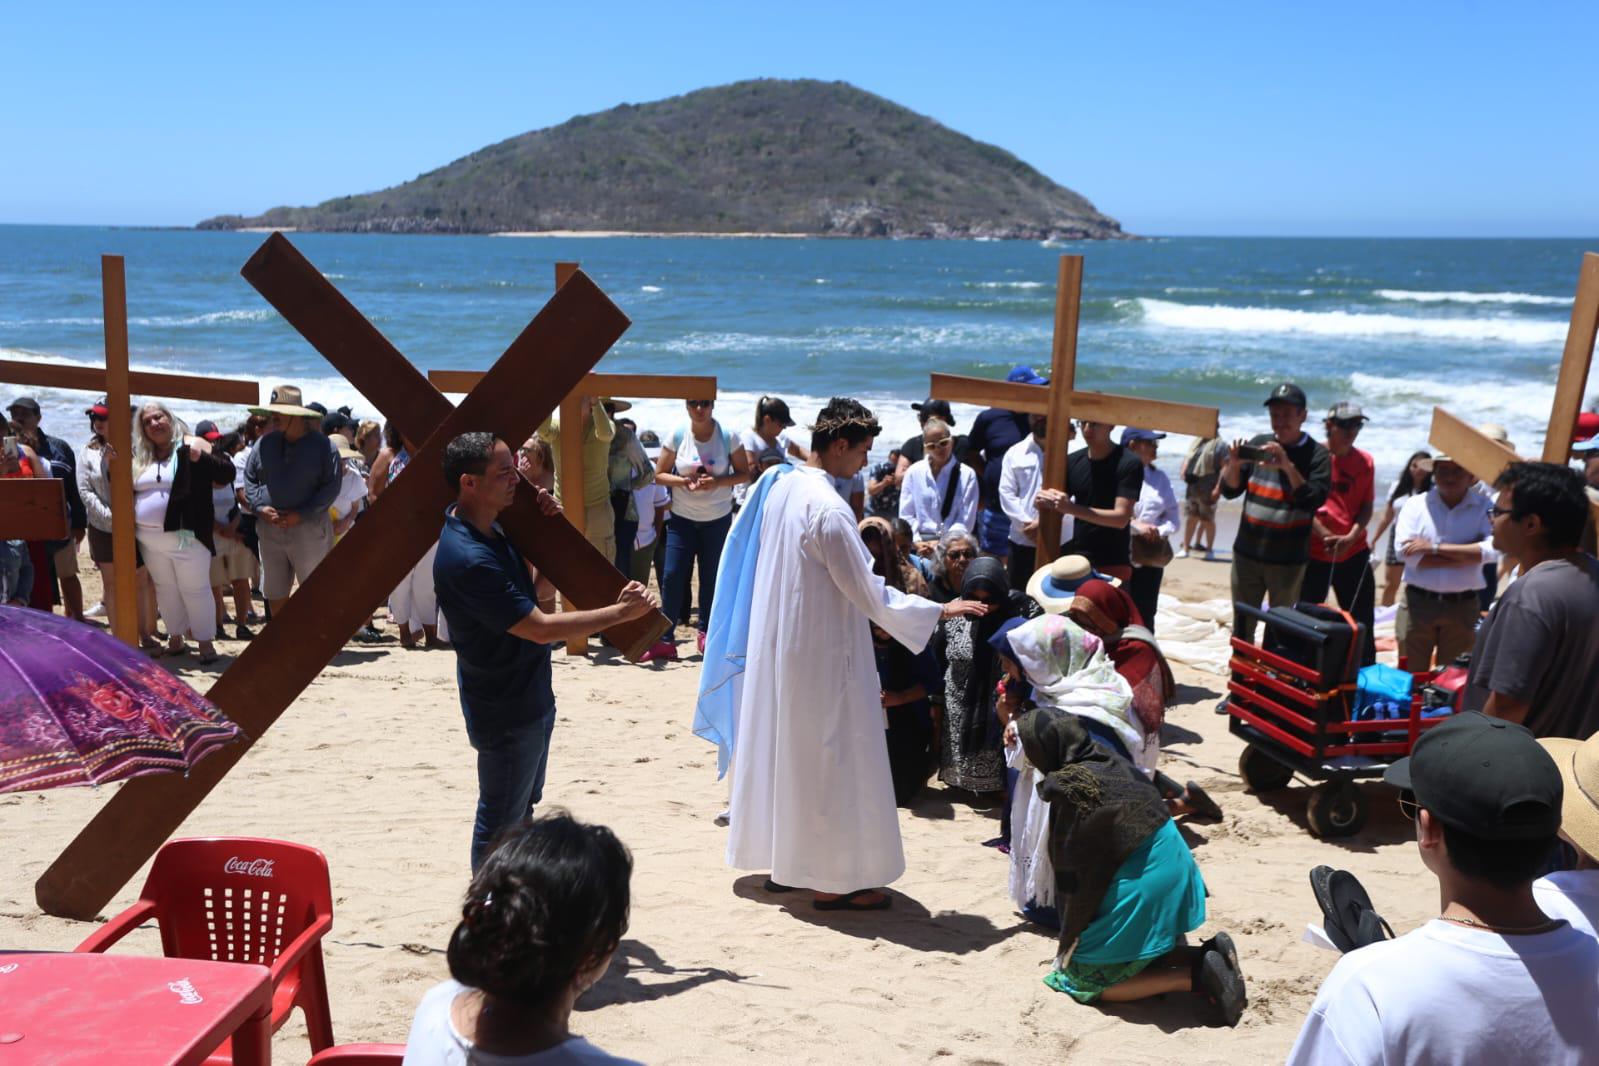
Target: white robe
point(813, 801)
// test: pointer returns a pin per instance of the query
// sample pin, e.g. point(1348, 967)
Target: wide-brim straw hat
point(614, 405)
point(1054, 587)
point(1579, 770)
point(346, 449)
point(286, 400)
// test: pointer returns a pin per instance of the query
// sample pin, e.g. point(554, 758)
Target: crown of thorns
point(835, 424)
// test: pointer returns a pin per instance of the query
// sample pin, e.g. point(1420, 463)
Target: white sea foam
point(649, 288)
point(209, 318)
point(1415, 296)
point(1220, 319)
point(1006, 285)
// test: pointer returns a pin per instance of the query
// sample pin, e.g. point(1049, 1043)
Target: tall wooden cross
point(545, 362)
point(1061, 400)
point(119, 384)
point(1485, 457)
point(593, 386)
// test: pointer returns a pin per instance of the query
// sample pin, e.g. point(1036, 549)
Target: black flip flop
point(1200, 803)
point(1223, 945)
point(1350, 920)
point(1223, 985)
point(773, 886)
point(848, 902)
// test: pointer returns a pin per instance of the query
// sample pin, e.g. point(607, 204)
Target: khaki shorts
point(232, 562)
point(66, 560)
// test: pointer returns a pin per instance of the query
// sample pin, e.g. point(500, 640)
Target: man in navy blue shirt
point(500, 636)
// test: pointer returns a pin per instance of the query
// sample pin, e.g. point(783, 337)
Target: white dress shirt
point(921, 499)
point(1468, 522)
point(1021, 475)
point(1157, 503)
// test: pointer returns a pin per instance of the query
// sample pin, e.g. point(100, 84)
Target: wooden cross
point(546, 361)
point(593, 386)
point(118, 384)
point(1061, 400)
point(1486, 458)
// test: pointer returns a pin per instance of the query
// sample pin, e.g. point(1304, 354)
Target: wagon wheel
point(1336, 809)
point(1262, 773)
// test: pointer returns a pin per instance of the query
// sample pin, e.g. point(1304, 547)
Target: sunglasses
point(699, 403)
point(940, 444)
point(1408, 805)
point(1348, 427)
point(961, 553)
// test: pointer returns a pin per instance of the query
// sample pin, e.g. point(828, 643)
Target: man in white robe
point(813, 801)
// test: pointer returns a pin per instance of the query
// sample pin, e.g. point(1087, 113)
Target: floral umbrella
point(79, 707)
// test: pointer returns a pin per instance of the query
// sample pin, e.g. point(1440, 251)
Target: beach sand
point(372, 766)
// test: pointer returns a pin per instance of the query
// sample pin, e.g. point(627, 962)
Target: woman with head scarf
point(1126, 885)
point(1109, 614)
point(970, 756)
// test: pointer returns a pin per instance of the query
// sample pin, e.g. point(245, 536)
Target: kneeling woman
point(1126, 885)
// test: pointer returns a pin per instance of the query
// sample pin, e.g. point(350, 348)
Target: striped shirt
point(1275, 527)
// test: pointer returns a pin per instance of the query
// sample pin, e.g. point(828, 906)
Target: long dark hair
point(1405, 486)
point(551, 901)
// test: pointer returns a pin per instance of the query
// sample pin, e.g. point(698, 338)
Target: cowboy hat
point(286, 400)
point(1054, 586)
point(1578, 761)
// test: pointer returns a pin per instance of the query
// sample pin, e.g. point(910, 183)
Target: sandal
point(1349, 919)
point(851, 902)
point(1223, 985)
point(1200, 803)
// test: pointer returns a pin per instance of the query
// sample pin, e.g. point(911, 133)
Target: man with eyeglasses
point(1103, 481)
point(1493, 978)
point(1340, 557)
point(1445, 537)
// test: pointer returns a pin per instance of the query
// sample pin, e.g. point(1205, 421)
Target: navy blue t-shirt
point(484, 589)
point(994, 431)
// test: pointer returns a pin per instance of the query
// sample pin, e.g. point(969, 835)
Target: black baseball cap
point(1484, 776)
point(1287, 392)
point(931, 408)
point(26, 403)
point(776, 408)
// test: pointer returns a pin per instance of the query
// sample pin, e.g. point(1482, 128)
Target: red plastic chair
point(360, 1055)
point(242, 899)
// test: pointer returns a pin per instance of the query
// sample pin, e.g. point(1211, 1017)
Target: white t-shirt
point(646, 500)
point(1447, 994)
point(152, 490)
point(223, 498)
point(434, 1041)
point(715, 456)
point(756, 448)
point(1572, 895)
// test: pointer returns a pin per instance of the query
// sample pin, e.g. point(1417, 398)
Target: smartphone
point(1253, 453)
point(8, 449)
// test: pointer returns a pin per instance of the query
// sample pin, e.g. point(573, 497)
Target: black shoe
point(1221, 708)
point(368, 635)
point(242, 632)
point(1223, 986)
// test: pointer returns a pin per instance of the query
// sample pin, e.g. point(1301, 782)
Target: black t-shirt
point(1098, 483)
point(912, 449)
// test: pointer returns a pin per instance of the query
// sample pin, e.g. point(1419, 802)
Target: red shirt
point(1353, 488)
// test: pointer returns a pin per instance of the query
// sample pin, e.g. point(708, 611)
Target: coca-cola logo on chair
point(248, 867)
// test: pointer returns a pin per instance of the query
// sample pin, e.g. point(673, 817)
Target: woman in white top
point(700, 463)
point(1155, 518)
point(173, 473)
point(939, 491)
point(541, 920)
point(94, 487)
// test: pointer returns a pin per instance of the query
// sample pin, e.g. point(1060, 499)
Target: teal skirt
point(1156, 896)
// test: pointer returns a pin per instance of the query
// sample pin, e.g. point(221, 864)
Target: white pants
point(413, 603)
point(182, 579)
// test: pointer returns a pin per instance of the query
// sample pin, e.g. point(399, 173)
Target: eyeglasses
point(699, 403)
point(1408, 805)
point(960, 553)
point(1501, 512)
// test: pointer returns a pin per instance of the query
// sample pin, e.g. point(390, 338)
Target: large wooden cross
point(1061, 400)
point(593, 386)
point(118, 384)
point(1485, 457)
point(545, 362)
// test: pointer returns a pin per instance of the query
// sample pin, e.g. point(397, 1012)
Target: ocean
point(1398, 325)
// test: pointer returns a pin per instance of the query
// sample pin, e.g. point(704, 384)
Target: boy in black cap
point(1282, 492)
point(1492, 978)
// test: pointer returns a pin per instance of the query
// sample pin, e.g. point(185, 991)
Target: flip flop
point(1201, 804)
point(1350, 920)
point(773, 886)
point(1223, 985)
point(848, 902)
point(1223, 945)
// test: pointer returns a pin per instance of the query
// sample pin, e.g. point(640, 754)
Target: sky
point(1273, 119)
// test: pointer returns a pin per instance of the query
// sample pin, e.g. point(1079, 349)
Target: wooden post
point(119, 425)
point(1575, 363)
point(1062, 375)
point(573, 500)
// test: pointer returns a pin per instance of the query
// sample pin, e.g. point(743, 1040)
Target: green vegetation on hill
point(765, 156)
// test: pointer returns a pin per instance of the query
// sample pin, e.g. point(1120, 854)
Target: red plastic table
point(70, 1008)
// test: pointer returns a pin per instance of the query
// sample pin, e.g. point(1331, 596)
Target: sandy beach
point(372, 766)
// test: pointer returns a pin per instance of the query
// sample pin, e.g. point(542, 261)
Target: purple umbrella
point(79, 707)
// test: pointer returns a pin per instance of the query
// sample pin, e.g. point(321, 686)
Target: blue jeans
point(510, 779)
point(689, 542)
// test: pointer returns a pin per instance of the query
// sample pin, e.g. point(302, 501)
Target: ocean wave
point(962, 335)
point(649, 288)
point(1415, 296)
point(1005, 284)
point(1221, 319)
point(209, 318)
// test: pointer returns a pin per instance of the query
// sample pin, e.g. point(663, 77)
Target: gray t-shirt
point(1540, 644)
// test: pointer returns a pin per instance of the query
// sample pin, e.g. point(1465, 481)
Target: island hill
point(785, 157)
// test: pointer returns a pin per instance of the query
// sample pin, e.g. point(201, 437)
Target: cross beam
point(1061, 400)
point(567, 337)
point(118, 383)
point(1482, 456)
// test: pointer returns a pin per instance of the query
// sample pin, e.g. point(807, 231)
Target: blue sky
point(1431, 119)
